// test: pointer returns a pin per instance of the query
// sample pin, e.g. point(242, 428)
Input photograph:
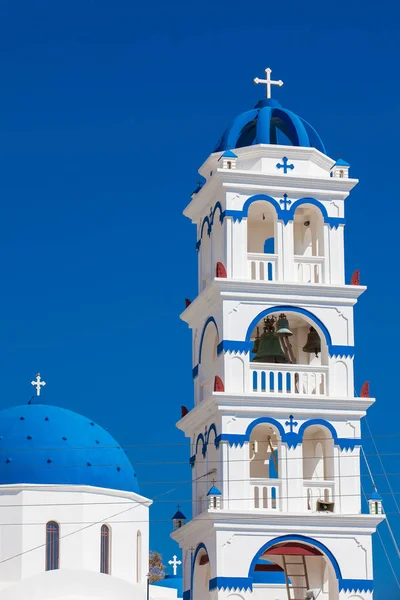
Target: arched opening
point(204, 258)
point(139, 557)
point(297, 348)
point(105, 550)
point(52, 546)
point(208, 361)
point(264, 457)
point(318, 468)
point(261, 241)
point(308, 232)
point(201, 575)
point(305, 566)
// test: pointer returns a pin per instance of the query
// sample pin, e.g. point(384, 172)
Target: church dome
point(269, 123)
point(41, 444)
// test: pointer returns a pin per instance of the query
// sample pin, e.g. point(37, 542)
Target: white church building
point(275, 427)
point(73, 524)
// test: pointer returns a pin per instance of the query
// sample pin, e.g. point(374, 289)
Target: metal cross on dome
point(38, 383)
point(175, 563)
point(268, 82)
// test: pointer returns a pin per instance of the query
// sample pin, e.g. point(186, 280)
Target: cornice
point(271, 292)
point(62, 488)
point(267, 521)
point(247, 404)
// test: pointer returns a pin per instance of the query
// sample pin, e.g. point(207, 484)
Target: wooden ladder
point(300, 573)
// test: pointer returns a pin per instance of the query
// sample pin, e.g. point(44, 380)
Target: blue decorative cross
point(285, 202)
point(291, 423)
point(285, 165)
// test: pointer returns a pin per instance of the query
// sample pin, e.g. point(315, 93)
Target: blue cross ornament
point(291, 423)
point(285, 165)
point(285, 202)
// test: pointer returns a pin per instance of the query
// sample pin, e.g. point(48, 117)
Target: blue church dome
point(269, 123)
point(43, 444)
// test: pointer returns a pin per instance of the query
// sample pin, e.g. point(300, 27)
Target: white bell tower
point(275, 428)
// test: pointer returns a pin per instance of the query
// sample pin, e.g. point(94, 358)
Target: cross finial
point(38, 383)
point(268, 82)
point(175, 562)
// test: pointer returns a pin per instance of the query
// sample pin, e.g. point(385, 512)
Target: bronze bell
point(256, 342)
point(282, 326)
point(269, 348)
point(313, 343)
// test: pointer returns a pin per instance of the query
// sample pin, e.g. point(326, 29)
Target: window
point(138, 557)
point(52, 546)
point(105, 549)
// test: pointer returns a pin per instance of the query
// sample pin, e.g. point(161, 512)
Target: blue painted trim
point(228, 154)
point(356, 585)
point(295, 309)
point(291, 438)
point(209, 320)
point(231, 583)
point(209, 219)
point(199, 547)
point(195, 371)
point(233, 346)
point(214, 491)
point(283, 214)
point(296, 538)
point(205, 440)
point(186, 595)
point(341, 351)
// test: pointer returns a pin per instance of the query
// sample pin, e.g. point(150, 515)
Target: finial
point(268, 82)
point(38, 383)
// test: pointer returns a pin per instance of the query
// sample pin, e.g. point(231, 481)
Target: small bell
point(282, 326)
point(256, 342)
point(269, 348)
point(313, 343)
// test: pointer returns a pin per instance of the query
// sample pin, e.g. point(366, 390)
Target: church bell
point(313, 343)
point(282, 326)
point(256, 342)
point(269, 348)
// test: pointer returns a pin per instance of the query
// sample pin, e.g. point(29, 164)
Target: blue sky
point(107, 110)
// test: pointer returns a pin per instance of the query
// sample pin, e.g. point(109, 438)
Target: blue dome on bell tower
point(269, 123)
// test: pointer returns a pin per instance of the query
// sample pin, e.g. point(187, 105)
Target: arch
point(210, 429)
point(221, 213)
point(321, 328)
point(105, 550)
point(205, 220)
point(206, 324)
point(138, 556)
point(296, 538)
point(200, 437)
point(312, 201)
point(199, 548)
point(52, 546)
point(257, 198)
point(321, 422)
point(269, 420)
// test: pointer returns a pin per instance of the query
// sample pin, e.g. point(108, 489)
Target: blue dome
point(49, 445)
point(269, 123)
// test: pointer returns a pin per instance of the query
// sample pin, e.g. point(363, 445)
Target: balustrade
point(288, 379)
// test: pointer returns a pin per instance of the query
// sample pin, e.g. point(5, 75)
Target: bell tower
point(275, 427)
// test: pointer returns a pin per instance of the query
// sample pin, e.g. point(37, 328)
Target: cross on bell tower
point(268, 82)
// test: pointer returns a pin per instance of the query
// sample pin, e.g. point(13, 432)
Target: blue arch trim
point(284, 215)
point(287, 308)
point(205, 440)
point(296, 538)
point(269, 420)
point(291, 438)
point(209, 219)
point(199, 547)
point(206, 324)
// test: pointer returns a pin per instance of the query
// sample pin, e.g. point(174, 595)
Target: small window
point(52, 546)
point(105, 549)
point(229, 164)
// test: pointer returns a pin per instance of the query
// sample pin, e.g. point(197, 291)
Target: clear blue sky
point(107, 109)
